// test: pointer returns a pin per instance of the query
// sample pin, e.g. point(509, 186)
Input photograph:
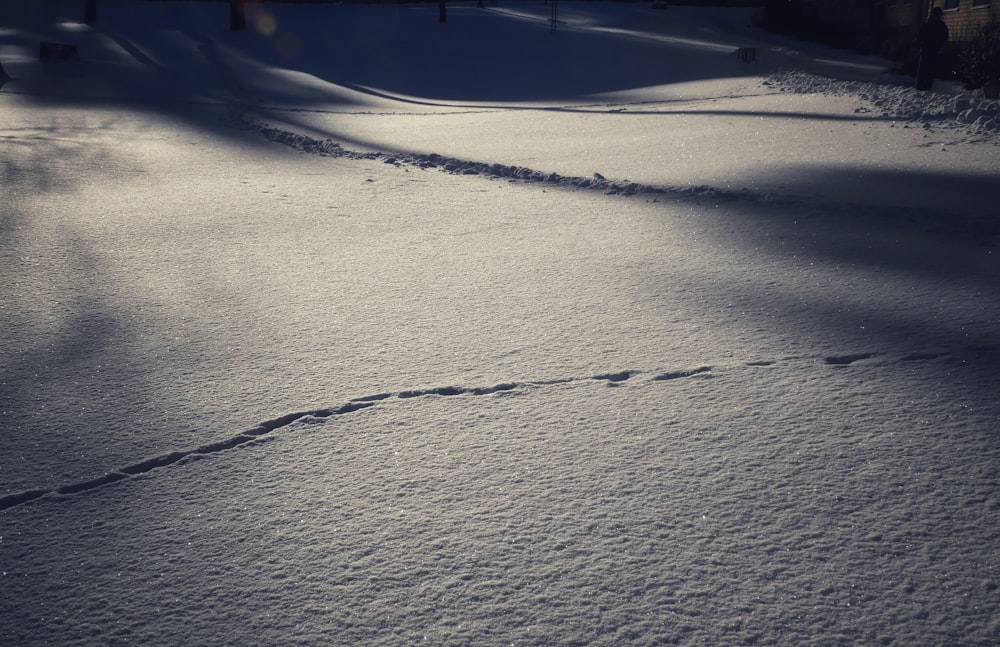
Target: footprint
point(920, 357)
point(486, 390)
point(12, 500)
point(844, 360)
point(444, 390)
point(616, 377)
point(679, 374)
point(763, 362)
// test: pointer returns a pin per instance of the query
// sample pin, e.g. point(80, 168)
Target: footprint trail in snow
point(265, 428)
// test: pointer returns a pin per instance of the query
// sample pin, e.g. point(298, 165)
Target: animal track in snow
point(270, 426)
point(916, 356)
point(616, 377)
point(844, 360)
point(920, 357)
point(255, 434)
point(455, 166)
point(151, 464)
point(675, 375)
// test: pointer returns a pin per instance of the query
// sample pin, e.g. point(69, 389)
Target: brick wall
point(903, 17)
point(964, 20)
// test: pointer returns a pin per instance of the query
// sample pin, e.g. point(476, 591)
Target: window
point(951, 5)
point(980, 3)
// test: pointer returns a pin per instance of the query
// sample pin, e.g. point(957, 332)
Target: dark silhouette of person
point(933, 35)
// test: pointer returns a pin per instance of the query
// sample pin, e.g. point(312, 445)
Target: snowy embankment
point(675, 350)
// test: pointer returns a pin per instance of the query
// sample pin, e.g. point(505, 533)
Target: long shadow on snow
point(148, 58)
point(932, 234)
point(488, 65)
point(477, 55)
point(152, 57)
point(74, 394)
point(921, 211)
point(65, 372)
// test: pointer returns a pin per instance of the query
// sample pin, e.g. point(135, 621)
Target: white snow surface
point(360, 328)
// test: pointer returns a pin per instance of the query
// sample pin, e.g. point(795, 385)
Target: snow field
point(304, 345)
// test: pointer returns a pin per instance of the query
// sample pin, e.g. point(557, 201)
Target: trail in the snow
point(330, 148)
point(255, 434)
point(270, 426)
point(597, 182)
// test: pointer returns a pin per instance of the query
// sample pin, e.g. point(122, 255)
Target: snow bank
point(947, 107)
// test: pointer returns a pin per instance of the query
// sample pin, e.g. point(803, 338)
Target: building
point(963, 17)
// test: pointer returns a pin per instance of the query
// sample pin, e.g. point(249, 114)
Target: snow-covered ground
point(359, 328)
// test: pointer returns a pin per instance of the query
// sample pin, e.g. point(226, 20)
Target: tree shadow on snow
point(914, 208)
point(65, 376)
point(180, 59)
point(487, 55)
point(872, 259)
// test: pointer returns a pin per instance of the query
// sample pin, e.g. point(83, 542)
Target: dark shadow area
point(487, 55)
point(177, 58)
point(940, 201)
point(906, 264)
point(140, 56)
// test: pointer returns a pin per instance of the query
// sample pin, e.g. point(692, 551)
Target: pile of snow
point(946, 107)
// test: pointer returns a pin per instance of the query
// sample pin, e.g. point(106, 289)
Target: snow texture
point(360, 328)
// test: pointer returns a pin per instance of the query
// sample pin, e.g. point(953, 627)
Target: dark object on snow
point(747, 54)
point(57, 52)
point(90, 12)
point(991, 90)
point(933, 36)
